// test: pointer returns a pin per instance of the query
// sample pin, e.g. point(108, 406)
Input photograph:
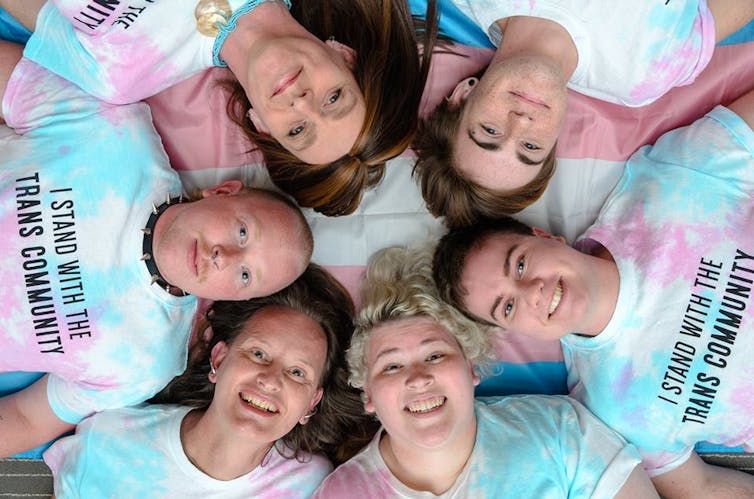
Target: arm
point(637, 485)
point(730, 16)
point(27, 420)
point(10, 54)
point(744, 107)
point(23, 11)
point(697, 479)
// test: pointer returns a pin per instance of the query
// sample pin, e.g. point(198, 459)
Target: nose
point(418, 377)
point(221, 257)
point(531, 291)
point(301, 97)
point(269, 381)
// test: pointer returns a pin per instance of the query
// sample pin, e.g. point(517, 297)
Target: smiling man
point(653, 304)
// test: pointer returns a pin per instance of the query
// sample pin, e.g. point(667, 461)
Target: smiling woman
point(261, 400)
point(328, 92)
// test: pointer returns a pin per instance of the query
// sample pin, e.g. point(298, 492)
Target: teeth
point(426, 405)
point(556, 297)
point(258, 403)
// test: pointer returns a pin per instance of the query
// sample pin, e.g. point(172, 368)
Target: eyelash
point(330, 101)
point(489, 130)
point(509, 306)
point(533, 147)
point(296, 130)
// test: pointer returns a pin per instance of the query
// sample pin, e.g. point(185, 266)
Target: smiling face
point(230, 245)
point(419, 383)
point(510, 122)
point(304, 94)
point(268, 379)
point(536, 285)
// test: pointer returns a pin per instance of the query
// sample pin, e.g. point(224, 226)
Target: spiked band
point(146, 247)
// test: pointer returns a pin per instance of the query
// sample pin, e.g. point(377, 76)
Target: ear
point(368, 405)
point(258, 122)
point(315, 400)
point(218, 354)
point(227, 188)
point(462, 91)
point(543, 233)
point(344, 51)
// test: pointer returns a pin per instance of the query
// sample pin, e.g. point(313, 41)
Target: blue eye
point(334, 97)
point(508, 309)
point(531, 147)
point(296, 130)
point(258, 354)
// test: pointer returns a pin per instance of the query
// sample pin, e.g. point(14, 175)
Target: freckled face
point(510, 123)
point(230, 247)
point(268, 379)
point(305, 96)
point(419, 383)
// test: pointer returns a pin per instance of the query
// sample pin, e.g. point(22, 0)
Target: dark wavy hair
point(390, 73)
point(447, 192)
point(318, 295)
point(453, 249)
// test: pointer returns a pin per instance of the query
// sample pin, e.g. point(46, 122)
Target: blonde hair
point(399, 285)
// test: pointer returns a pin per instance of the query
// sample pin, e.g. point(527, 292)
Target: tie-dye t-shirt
point(76, 189)
point(674, 367)
point(629, 52)
point(136, 452)
point(526, 446)
point(124, 52)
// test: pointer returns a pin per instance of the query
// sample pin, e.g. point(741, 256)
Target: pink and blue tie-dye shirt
point(629, 52)
point(136, 453)
point(75, 191)
point(674, 366)
point(548, 447)
point(125, 51)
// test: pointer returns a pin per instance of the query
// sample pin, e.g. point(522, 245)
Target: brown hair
point(447, 192)
point(391, 76)
point(321, 297)
point(453, 249)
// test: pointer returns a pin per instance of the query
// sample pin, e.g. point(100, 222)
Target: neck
point(609, 286)
point(267, 21)
point(216, 452)
point(541, 38)
point(433, 470)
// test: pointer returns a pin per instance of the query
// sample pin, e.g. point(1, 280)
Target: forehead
point(406, 334)
point(291, 332)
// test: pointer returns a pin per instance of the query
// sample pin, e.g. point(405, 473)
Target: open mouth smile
point(424, 406)
point(258, 403)
point(556, 296)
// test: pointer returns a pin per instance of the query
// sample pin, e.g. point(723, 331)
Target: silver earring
point(312, 413)
point(331, 38)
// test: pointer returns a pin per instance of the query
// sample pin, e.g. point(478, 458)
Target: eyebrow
point(339, 113)
point(506, 273)
point(423, 343)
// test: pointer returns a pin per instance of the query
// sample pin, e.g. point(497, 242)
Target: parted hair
point(399, 285)
point(321, 297)
point(454, 247)
point(390, 73)
point(447, 193)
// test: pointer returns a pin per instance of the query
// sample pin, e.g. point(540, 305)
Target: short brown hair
point(453, 249)
point(447, 192)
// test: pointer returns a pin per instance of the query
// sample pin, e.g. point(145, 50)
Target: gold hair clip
point(211, 15)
